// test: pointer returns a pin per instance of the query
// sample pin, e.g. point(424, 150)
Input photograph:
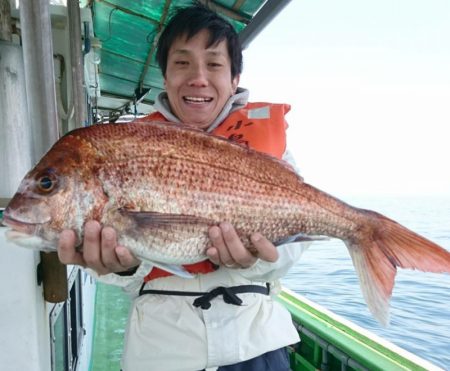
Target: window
point(59, 338)
point(66, 327)
point(76, 318)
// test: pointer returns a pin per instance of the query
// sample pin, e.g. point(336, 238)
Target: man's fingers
point(232, 251)
point(92, 247)
point(108, 239)
point(266, 249)
point(228, 249)
point(221, 253)
point(108, 245)
point(213, 254)
point(67, 253)
point(126, 258)
point(100, 250)
point(239, 254)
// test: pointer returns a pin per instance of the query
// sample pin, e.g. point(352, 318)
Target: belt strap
point(204, 298)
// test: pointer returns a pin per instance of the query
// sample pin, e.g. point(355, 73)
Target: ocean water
point(420, 304)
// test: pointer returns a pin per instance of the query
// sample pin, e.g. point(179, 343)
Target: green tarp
point(127, 30)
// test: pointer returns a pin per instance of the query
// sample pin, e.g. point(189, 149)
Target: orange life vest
point(260, 126)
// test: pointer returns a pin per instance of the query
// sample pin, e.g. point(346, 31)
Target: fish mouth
point(18, 225)
point(26, 234)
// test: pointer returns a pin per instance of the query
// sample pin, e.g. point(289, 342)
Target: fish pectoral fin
point(157, 220)
point(300, 237)
point(177, 270)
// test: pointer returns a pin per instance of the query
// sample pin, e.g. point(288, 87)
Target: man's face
point(198, 79)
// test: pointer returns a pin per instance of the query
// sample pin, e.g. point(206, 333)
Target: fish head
point(59, 193)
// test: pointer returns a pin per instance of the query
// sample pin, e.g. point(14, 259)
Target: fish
point(161, 186)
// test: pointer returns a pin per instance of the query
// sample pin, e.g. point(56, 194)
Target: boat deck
point(109, 327)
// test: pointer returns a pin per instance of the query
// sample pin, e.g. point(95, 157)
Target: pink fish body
point(161, 186)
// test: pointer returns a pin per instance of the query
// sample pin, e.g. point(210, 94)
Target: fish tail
point(383, 246)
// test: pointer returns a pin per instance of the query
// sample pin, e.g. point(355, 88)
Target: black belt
point(204, 298)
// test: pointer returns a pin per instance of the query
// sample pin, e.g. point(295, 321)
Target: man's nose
point(198, 76)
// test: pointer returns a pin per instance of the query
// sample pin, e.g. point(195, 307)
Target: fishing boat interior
point(72, 63)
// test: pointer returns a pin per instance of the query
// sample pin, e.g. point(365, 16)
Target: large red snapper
point(161, 186)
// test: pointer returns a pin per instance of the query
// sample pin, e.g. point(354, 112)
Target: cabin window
point(59, 338)
point(66, 327)
point(76, 320)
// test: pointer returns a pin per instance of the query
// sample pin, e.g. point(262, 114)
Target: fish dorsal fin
point(157, 220)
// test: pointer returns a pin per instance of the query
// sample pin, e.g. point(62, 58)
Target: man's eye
point(181, 63)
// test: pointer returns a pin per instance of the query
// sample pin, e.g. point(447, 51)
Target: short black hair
point(189, 22)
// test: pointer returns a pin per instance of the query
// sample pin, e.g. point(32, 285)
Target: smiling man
point(201, 61)
point(200, 80)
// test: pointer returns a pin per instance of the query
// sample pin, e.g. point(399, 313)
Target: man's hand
point(100, 250)
point(227, 248)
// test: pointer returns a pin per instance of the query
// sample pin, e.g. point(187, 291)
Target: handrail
point(360, 345)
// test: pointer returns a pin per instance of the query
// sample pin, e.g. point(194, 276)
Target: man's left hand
point(227, 248)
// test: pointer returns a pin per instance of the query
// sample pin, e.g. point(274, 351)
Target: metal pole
point(269, 11)
point(15, 138)
point(5, 20)
point(41, 95)
point(79, 95)
point(39, 74)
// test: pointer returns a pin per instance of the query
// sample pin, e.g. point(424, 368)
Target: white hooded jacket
point(166, 332)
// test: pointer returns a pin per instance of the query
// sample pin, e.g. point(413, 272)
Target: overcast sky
point(369, 85)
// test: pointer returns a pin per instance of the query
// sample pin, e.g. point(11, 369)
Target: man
point(201, 61)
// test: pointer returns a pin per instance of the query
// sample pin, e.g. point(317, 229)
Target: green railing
point(328, 343)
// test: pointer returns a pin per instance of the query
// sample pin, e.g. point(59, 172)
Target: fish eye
point(46, 183)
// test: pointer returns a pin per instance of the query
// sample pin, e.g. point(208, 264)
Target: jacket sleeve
point(265, 271)
point(130, 283)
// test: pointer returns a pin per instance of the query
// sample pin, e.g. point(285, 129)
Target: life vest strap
point(204, 298)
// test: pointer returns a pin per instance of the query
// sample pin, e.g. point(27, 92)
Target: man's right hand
point(100, 251)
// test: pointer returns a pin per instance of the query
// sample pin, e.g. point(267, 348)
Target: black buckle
point(229, 297)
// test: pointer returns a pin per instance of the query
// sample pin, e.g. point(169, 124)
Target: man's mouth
point(197, 100)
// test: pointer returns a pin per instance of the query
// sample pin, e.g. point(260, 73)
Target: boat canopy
point(124, 38)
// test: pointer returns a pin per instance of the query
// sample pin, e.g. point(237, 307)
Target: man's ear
point(235, 83)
